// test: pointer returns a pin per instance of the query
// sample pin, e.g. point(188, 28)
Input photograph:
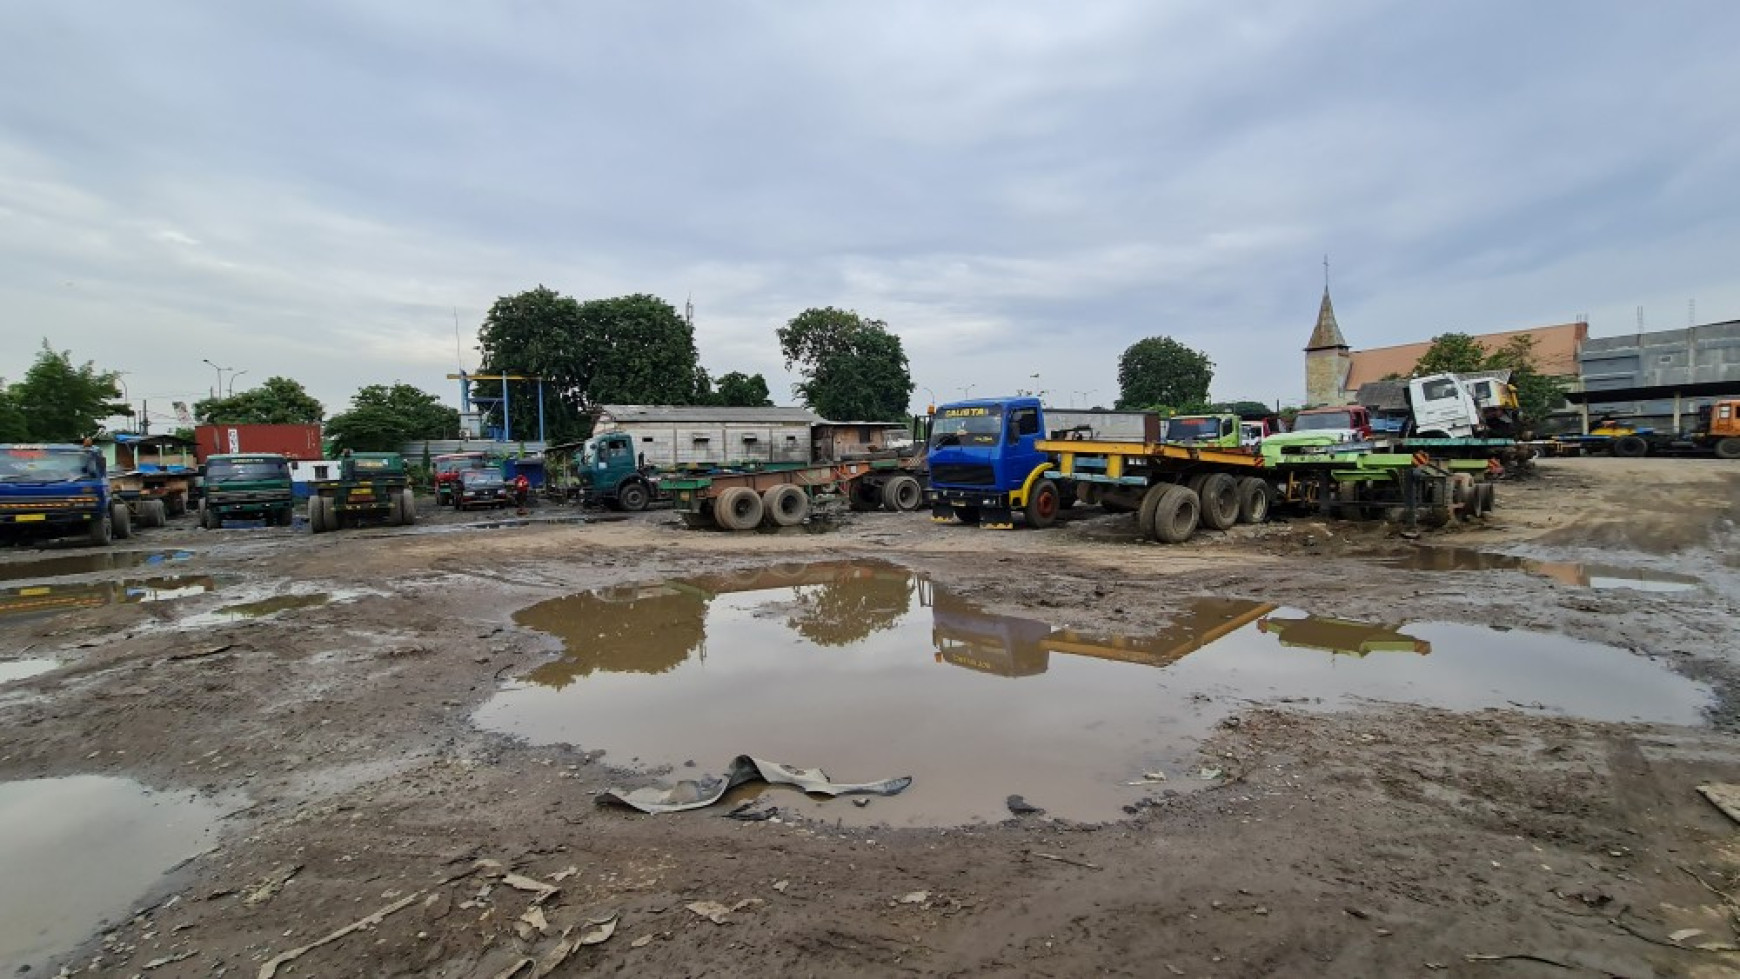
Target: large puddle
point(78, 852)
point(1566, 573)
point(34, 600)
point(87, 562)
point(19, 669)
point(871, 672)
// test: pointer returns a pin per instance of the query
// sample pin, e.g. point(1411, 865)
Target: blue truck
point(58, 490)
point(985, 465)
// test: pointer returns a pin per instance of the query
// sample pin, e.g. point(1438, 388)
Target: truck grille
point(962, 474)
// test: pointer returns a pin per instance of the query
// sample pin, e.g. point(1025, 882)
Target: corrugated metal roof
point(632, 414)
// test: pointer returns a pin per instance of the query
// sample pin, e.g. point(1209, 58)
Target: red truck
point(447, 470)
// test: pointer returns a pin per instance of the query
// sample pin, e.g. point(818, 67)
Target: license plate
point(28, 517)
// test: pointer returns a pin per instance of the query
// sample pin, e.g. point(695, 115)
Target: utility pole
point(144, 418)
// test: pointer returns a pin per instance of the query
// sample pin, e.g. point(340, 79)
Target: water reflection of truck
point(58, 490)
point(45, 599)
point(1342, 635)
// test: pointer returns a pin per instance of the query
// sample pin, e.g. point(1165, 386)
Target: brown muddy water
point(77, 853)
point(91, 562)
point(871, 672)
point(1601, 576)
point(32, 600)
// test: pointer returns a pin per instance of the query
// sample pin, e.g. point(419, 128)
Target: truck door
point(1023, 430)
point(1441, 405)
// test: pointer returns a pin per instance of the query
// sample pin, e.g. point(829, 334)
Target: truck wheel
point(1728, 448)
point(1254, 500)
point(1175, 514)
point(738, 508)
point(395, 510)
point(1218, 495)
point(633, 496)
point(1630, 447)
point(1043, 505)
point(122, 519)
point(408, 508)
point(152, 513)
point(316, 515)
point(1488, 496)
point(1149, 506)
point(102, 530)
point(785, 506)
point(902, 494)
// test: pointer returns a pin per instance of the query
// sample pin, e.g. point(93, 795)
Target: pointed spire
point(1327, 335)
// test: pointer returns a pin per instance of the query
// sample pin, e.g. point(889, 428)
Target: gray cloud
point(314, 189)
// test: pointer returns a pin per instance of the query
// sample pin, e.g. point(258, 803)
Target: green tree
point(1160, 371)
point(739, 390)
point(854, 369)
point(1250, 410)
point(61, 402)
point(1452, 353)
point(627, 350)
point(383, 418)
point(277, 401)
point(1537, 395)
point(13, 427)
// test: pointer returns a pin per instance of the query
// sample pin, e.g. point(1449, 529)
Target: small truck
point(253, 486)
point(371, 487)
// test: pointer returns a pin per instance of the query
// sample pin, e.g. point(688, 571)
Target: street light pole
point(967, 391)
point(218, 391)
point(233, 376)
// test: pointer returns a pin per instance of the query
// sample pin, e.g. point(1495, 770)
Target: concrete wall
point(1325, 373)
point(1708, 354)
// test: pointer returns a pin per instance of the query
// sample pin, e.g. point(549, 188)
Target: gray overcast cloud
point(312, 189)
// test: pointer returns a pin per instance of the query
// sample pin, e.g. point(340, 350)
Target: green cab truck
point(371, 487)
point(251, 486)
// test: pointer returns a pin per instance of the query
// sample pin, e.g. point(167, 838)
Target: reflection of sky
point(18, 669)
point(75, 851)
point(1066, 738)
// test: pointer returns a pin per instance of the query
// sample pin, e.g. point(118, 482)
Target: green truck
point(1221, 431)
point(371, 487)
point(252, 486)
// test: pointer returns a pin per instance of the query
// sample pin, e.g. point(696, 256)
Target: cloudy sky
point(316, 189)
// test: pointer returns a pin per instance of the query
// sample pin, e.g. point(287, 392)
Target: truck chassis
point(786, 497)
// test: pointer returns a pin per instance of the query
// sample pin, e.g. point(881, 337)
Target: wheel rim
point(1047, 504)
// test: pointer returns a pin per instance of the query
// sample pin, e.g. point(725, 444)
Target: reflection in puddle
point(1578, 575)
point(871, 672)
point(76, 852)
point(43, 599)
point(271, 606)
point(89, 562)
point(18, 669)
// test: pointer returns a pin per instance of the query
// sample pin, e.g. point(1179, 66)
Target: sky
point(325, 189)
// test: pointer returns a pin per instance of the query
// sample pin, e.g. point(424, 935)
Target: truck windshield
point(967, 426)
point(1323, 422)
point(245, 470)
point(1192, 429)
point(457, 464)
point(19, 465)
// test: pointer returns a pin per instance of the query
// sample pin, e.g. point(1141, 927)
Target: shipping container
point(299, 442)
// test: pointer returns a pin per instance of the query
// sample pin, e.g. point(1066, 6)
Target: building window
point(646, 438)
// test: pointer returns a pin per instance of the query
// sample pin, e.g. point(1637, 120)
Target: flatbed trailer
point(784, 496)
point(1174, 489)
point(153, 497)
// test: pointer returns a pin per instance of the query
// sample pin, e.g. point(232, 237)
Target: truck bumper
point(985, 507)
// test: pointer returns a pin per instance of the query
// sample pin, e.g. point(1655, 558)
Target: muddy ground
point(1392, 839)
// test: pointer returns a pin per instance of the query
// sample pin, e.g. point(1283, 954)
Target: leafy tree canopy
point(383, 418)
point(1453, 353)
point(1251, 410)
point(854, 369)
point(13, 427)
point(739, 390)
point(277, 401)
point(58, 401)
point(626, 350)
point(1160, 371)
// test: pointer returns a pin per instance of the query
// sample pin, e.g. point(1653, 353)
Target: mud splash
point(77, 852)
point(872, 672)
point(30, 601)
point(1601, 576)
point(91, 562)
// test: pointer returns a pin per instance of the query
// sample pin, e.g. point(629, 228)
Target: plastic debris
point(715, 912)
point(916, 897)
point(1723, 796)
point(700, 793)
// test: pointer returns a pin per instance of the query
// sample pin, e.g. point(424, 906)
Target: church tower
point(1327, 360)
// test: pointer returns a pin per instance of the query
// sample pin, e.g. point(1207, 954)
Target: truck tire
point(738, 508)
point(632, 496)
point(785, 506)
point(1630, 447)
point(153, 513)
point(1254, 500)
point(317, 515)
point(122, 519)
point(1043, 504)
point(409, 506)
point(1170, 513)
point(1488, 497)
point(902, 494)
point(102, 530)
point(1218, 495)
point(1728, 448)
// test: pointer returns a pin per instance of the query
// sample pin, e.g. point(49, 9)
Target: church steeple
point(1327, 335)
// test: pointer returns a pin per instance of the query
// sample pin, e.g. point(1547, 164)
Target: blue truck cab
point(985, 466)
point(58, 490)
